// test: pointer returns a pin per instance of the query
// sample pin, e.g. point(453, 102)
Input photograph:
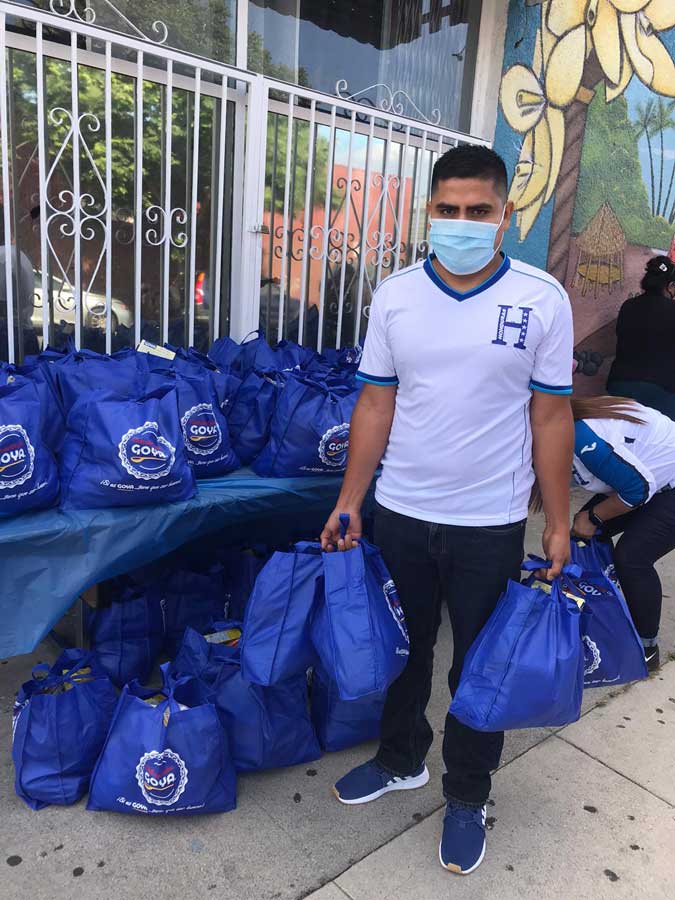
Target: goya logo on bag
point(592, 657)
point(201, 431)
point(162, 777)
point(334, 445)
point(145, 454)
point(395, 608)
point(17, 456)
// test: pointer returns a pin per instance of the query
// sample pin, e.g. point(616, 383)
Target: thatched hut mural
point(601, 247)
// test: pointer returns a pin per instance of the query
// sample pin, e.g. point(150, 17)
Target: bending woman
point(624, 453)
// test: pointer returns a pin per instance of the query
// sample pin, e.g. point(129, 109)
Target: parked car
point(63, 301)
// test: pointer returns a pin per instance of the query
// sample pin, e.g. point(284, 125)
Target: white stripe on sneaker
point(406, 783)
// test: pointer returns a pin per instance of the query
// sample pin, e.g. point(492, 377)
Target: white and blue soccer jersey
point(633, 461)
point(460, 448)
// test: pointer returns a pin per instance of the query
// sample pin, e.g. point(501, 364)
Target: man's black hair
point(471, 161)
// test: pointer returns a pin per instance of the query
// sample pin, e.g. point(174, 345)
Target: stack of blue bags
point(307, 670)
point(139, 428)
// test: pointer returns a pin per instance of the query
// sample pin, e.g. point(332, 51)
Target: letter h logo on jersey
point(520, 324)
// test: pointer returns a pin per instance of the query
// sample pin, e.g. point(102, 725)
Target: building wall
point(586, 124)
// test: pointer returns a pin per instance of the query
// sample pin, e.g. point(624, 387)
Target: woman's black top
point(645, 341)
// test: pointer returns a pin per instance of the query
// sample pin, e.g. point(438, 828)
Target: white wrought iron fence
point(148, 192)
point(345, 205)
point(124, 167)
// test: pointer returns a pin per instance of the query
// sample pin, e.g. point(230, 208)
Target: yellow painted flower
point(536, 173)
point(623, 35)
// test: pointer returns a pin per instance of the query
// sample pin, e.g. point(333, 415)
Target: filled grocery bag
point(277, 643)
point(203, 425)
point(242, 567)
point(28, 474)
point(358, 628)
point(613, 649)
point(250, 412)
point(125, 452)
point(267, 727)
point(309, 431)
point(60, 721)
point(526, 667)
point(53, 416)
point(191, 597)
point(166, 753)
point(244, 357)
point(126, 630)
point(340, 724)
point(83, 371)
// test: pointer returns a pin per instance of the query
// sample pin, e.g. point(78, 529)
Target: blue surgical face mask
point(464, 247)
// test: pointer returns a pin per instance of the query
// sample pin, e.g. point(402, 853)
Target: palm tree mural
point(580, 45)
point(664, 120)
point(644, 127)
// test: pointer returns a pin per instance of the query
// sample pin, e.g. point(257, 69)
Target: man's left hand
point(556, 546)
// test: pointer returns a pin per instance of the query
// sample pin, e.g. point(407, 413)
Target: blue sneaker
point(462, 846)
point(369, 781)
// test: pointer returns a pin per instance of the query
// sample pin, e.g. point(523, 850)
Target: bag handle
point(344, 525)
point(537, 562)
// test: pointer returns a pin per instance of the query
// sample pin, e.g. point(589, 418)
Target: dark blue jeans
point(467, 568)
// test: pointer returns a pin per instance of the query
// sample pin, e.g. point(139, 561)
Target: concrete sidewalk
point(588, 811)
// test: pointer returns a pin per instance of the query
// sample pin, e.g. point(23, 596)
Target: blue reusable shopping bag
point(84, 371)
point(245, 357)
point(526, 667)
point(290, 355)
point(242, 567)
point(340, 724)
point(358, 629)
point(126, 631)
point(28, 474)
point(250, 413)
point(204, 426)
point(171, 758)
point(309, 431)
point(276, 643)
point(267, 727)
point(60, 722)
point(613, 649)
point(125, 452)
point(192, 598)
point(53, 417)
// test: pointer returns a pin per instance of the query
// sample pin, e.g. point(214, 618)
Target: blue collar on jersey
point(458, 295)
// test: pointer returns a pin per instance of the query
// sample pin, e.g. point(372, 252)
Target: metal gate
point(149, 193)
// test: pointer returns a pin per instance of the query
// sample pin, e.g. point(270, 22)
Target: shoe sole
point(408, 785)
point(451, 867)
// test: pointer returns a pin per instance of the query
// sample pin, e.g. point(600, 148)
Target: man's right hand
point(330, 536)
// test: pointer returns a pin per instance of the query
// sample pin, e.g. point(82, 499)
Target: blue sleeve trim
point(550, 388)
point(600, 458)
point(376, 379)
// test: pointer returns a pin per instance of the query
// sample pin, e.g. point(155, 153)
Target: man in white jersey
point(466, 372)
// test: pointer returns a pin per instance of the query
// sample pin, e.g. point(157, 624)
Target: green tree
point(664, 121)
point(610, 172)
point(645, 126)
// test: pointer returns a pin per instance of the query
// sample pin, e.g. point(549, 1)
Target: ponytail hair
point(659, 273)
point(602, 407)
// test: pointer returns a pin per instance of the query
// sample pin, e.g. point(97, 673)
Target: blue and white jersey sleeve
point(377, 364)
point(552, 373)
point(600, 465)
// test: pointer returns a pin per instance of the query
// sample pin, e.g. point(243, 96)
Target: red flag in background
point(671, 254)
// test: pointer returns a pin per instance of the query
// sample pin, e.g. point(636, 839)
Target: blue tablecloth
point(47, 559)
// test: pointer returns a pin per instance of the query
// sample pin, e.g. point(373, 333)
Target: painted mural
point(587, 128)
